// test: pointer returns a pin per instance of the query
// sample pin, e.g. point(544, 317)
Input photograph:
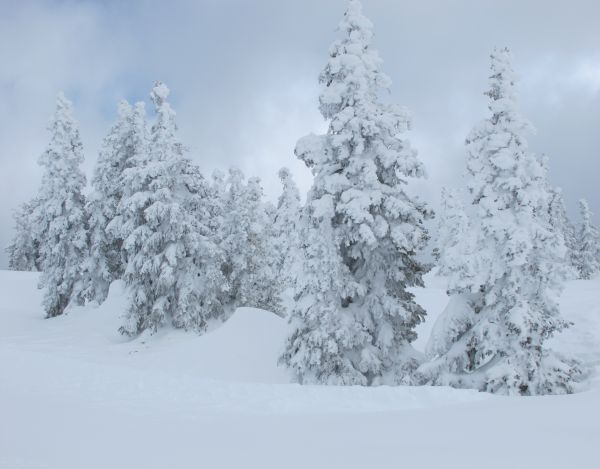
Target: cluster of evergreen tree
point(507, 257)
point(191, 249)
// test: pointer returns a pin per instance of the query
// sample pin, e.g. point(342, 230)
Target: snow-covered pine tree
point(126, 218)
point(285, 228)
point(217, 201)
point(24, 249)
point(211, 285)
point(361, 168)
point(316, 348)
point(260, 286)
point(509, 305)
point(587, 256)
point(250, 263)
point(452, 228)
point(171, 272)
point(560, 222)
point(232, 230)
point(60, 216)
point(126, 139)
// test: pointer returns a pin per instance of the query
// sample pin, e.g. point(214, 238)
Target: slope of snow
point(75, 394)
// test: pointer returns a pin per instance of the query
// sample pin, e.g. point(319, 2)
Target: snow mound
point(245, 349)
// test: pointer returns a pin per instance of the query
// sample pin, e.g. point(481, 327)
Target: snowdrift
point(244, 349)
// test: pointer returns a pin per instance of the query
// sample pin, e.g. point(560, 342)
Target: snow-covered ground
point(75, 394)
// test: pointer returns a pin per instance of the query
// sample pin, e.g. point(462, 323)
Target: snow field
point(76, 394)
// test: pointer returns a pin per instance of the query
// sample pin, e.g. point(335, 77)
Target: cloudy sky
point(243, 76)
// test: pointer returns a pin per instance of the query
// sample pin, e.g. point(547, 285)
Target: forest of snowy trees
point(192, 248)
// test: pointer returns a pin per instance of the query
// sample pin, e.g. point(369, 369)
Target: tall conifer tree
point(362, 167)
point(61, 217)
point(587, 256)
point(126, 139)
point(510, 298)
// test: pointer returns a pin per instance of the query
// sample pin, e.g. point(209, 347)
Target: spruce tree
point(260, 286)
point(24, 249)
point(249, 261)
point(126, 139)
point(61, 218)
point(510, 300)
point(588, 244)
point(126, 217)
point(171, 272)
point(560, 222)
point(361, 169)
point(286, 224)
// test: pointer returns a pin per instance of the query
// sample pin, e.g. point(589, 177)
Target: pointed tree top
point(290, 190)
point(64, 107)
point(61, 99)
point(355, 23)
point(65, 133)
point(159, 93)
point(123, 108)
point(236, 174)
point(501, 55)
point(140, 108)
point(585, 207)
point(284, 174)
point(503, 78)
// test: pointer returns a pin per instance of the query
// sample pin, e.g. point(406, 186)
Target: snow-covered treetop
point(112, 154)
point(123, 109)
point(503, 98)
point(64, 131)
point(360, 124)
point(498, 149)
point(503, 77)
point(586, 212)
point(65, 150)
point(290, 194)
point(362, 160)
point(353, 74)
point(284, 175)
point(354, 20)
point(164, 141)
point(160, 93)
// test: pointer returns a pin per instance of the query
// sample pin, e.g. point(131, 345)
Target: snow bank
point(244, 349)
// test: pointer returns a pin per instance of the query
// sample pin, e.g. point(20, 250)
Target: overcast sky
point(243, 76)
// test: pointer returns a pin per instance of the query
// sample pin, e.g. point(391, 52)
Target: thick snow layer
point(75, 394)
